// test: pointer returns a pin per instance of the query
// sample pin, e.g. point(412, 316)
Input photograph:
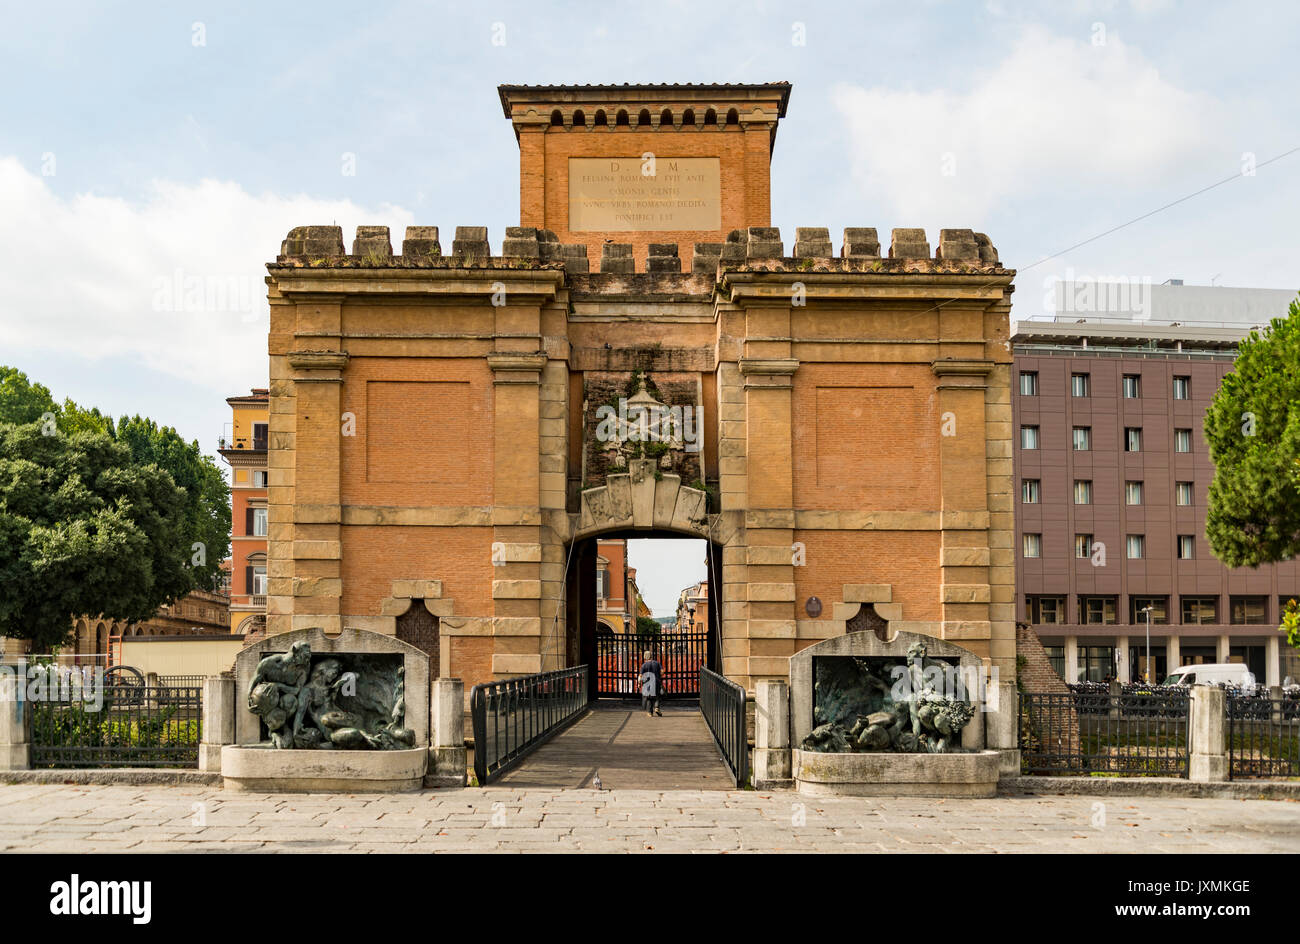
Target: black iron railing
point(722, 702)
point(619, 657)
point(1137, 733)
point(1263, 736)
point(181, 681)
point(513, 717)
point(119, 726)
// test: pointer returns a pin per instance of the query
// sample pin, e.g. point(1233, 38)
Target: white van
point(1214, 673)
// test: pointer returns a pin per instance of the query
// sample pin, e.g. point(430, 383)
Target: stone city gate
point(450, 424)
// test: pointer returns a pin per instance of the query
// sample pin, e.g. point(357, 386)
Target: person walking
point(651, 678)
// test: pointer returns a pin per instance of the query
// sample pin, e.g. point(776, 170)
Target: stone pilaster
point(313, 591)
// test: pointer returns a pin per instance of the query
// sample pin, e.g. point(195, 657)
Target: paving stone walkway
point(63, 818)
point(628, 749)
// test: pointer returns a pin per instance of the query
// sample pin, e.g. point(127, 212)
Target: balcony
point(242, 444)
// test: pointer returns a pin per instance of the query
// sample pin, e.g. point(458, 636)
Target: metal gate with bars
point(619, 657)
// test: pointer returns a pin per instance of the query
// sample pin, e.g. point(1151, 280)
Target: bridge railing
point(722, 702)
point(514, 717)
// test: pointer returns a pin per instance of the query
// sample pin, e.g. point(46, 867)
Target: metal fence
point(722, 702)
point(1263, 736)
point(619, 657)
point(511, 718)
point(1140, 732)
point(133, 726)
point(181, 681)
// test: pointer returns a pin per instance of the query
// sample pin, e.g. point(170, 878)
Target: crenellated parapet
point(756, 248)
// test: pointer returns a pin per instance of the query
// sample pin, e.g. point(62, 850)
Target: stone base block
point(448, 767)
point(966, 774)
point(15, 757)
point(210, 757)
point(261, 768)
point(1009, 762)
point(771, 765)
point(1207, 768)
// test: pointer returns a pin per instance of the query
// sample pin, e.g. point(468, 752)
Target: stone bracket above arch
point(636, 499)
point(404, 591)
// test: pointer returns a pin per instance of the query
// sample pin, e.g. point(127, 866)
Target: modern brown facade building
point(834, 420)
point(1112, 475)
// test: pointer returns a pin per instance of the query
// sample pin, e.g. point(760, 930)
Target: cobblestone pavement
point(64, 818)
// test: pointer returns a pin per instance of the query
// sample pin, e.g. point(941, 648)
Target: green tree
point(83, 529)
point(1253, 430)
point(22, 401)
point(647, 626)
point(205, 525)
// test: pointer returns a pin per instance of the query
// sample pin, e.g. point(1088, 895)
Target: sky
point(153, 155)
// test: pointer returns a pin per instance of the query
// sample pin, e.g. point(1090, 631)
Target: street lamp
point(1147, 674)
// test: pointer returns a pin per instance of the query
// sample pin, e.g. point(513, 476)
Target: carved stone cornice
point(961, 367)
point(318, 360)
point(768, 366)
point(510, 367)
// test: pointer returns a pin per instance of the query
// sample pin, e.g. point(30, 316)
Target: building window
point(1096, 663)
point(1082, 545)
point(259, 435)
point(1132, 493)
point(1033, 545)
point(260, 478)
point(1135, 546)
point(1159, 609)
point(1030, 491)
point(1097, 610)
point(259, 522)
point(1200, 610)
point(1029, 383)
point(1132, 386)
point(1183, 493)
point(1182, 388)
point(1182, 440)
point(1045, 609)
point(1132, 438)
point(259, 581)
point(1186, 546)
point(1247, 610)
point(1029, 437)
point(1083, 492)
point(1082, 438)
point(1080, 385)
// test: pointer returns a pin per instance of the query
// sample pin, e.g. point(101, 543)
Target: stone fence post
point(218, 720)
point(772, 762)
point(1208, 761)
point(447, 756)
point(15, 722)
point(1002, 726)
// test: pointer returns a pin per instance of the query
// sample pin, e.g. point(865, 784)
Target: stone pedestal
point(261, 768)
point(448, 760)
point(218, 720)
point(973, 774)
point(772, 768)
point(15, 749)
point(1209, 758)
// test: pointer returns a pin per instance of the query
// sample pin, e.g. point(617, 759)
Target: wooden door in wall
point(419, 627)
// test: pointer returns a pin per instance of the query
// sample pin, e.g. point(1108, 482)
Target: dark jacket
point(653, 668)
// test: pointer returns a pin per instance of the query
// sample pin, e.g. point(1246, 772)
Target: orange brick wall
point(430, 441)
point(907, 560)
point(744, 158)
point(845, 414)
point(376, 555)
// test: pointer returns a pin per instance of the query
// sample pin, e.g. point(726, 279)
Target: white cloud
point(1057, 114)
point(174, 282)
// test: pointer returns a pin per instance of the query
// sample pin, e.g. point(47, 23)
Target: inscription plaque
point(618, 194)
